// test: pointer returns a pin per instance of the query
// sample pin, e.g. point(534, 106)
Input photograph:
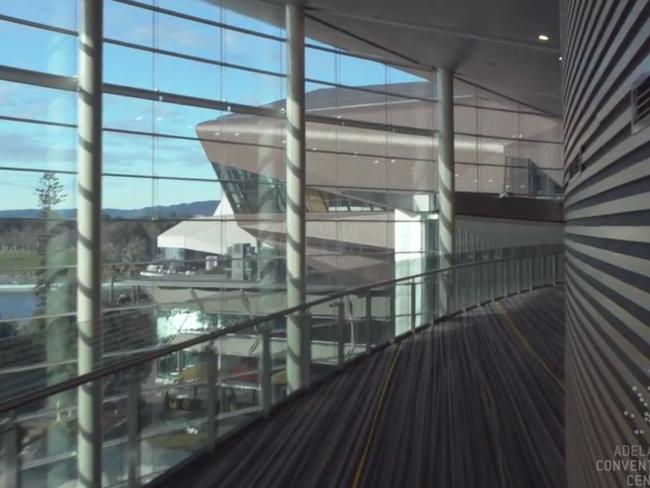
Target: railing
point(161, 406)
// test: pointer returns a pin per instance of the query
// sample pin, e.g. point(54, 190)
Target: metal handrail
point(77, 381)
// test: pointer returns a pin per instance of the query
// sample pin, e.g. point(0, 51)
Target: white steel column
point(446, 183)
point(298, 361)
point(89, 196)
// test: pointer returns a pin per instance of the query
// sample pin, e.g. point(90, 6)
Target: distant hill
point(182, 210)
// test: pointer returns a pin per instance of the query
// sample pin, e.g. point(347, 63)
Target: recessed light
point(392, 160)
point(376, 161)
point(543, 37)
point(236, 134)
point(560, 58)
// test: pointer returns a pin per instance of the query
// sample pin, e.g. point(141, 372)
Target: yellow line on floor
point(526, 344)
point(375, 417)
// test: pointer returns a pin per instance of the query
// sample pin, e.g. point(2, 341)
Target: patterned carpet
point(475, 401)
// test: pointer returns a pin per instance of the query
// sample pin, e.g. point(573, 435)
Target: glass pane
point(41, 50)
point(127, 23)
point(187, 37)
point(246, 87)
point(246, 15)
point(62, 13)
point(361, 72)
point(35, 146)
point(35, 102)
point(197, 8)
point(200, 80)
point(116, 57)
point(320, 65)
point(254, 52)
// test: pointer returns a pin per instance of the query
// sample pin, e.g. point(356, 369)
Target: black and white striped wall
point(606, 99)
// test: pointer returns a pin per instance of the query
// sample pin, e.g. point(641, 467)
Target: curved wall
point(606, 52)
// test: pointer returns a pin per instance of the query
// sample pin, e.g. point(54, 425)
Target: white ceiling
point(492, 43)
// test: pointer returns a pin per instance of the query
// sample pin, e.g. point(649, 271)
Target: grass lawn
point(18, 259)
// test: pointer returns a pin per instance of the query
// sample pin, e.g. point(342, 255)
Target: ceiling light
point(560, 58)
point(236, 134)
point(376, 161)
point(543, 37)
point(392, 160)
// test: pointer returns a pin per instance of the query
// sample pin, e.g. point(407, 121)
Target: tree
point(55, 292)
point(49, 192)
point(7, 329)
point(52, 238)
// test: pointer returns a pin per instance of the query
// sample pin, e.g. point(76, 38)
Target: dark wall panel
point(606, 53)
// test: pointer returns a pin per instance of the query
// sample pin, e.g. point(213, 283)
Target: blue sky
point(45, 147)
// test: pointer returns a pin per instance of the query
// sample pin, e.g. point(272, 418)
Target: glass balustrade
point(161, 406)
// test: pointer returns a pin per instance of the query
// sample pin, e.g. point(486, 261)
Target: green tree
point(49, 192)
point(55, 293)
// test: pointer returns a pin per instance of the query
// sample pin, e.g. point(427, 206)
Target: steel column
point(368, 307)
point(266, 383)
point(340, 337)
point(133, 429)
point(10, 459)
point(89, 198)
point(297, 356)
point(211, 395)
point(446, 183)
point(413, 290)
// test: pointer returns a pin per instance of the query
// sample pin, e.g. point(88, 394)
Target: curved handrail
point(99, 373)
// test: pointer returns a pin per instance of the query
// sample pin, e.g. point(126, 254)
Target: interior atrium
point(301, 243)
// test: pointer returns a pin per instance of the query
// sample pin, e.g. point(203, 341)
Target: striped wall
point(606, 51)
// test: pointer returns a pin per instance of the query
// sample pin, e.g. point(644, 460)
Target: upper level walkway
point(474, 401)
